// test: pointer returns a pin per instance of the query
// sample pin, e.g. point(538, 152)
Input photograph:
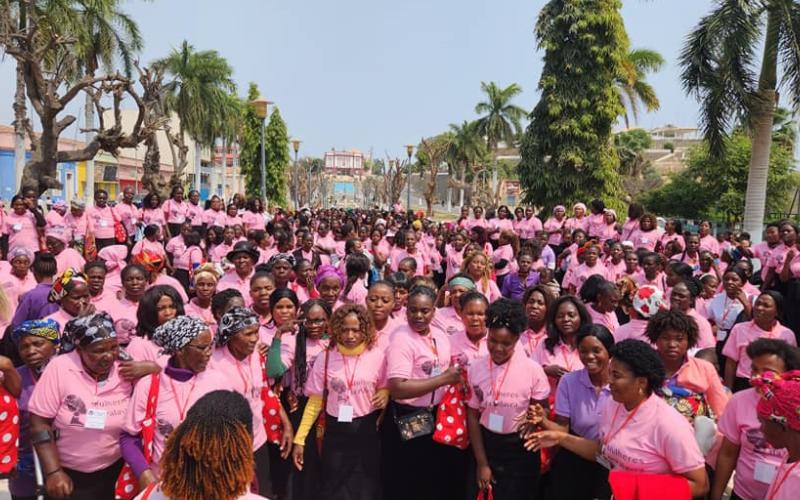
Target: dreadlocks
point(210, 454)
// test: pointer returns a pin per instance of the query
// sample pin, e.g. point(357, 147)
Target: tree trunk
point(20, 116)
point(88, 112)
point(197, 150)
point(494, 171)
point(461, 189)
point(762, 117)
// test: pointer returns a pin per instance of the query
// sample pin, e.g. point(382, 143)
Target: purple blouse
point(577, 400)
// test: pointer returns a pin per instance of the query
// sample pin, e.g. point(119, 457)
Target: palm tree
point(105, 35)
point(199, 94)
point(631, 84)
point(501, 119)
point(467, 148)
point(718, 63)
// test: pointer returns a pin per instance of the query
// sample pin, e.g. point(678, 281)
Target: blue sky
point(374, 74)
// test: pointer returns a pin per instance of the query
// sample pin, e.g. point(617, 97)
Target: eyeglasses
point(315, 322)
point(202, 348)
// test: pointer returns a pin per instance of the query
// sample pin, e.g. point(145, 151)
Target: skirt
point(263, 482)
point(305, 485)
point(182, 275)
point(101, 243)
point(351, 453)
point(99, 484)
point(566, 468)
point(424, 469)
point(515, 470)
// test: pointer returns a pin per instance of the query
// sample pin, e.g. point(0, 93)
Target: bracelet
point(53, 472)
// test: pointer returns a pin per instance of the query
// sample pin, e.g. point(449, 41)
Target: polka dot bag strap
point(9, 431)
point(126, 486)
point(271, 408)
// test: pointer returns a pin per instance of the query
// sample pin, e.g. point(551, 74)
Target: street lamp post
point(409, 151)
point(260, 106)
point(296, 147)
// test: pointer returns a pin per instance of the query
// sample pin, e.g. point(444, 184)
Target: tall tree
point(198, 93)
point(567, 151)
point(719, 62)
point(250, 144)
point(467, 149)
point(500, 120)
point(632, 84)
point(278, 158)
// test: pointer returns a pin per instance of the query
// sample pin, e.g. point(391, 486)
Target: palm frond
point(789, 48)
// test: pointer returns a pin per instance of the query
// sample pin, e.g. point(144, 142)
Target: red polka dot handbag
point(451, 416)
point(272, 408)
point(127, 487)
point(9, 431)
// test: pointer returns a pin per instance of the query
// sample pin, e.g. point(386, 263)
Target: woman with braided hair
point(210, 453)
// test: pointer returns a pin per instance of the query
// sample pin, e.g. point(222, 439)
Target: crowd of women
point(225, 351)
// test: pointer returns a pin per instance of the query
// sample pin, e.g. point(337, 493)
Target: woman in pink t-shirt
point(455, 255)
point(635, 211)
point(419, 369)
point(767, 308)
point(602, 304)
point(238, 362)
point(476, 266)
point(194, 212)
point(744, 448)
point(504, 384)
point(17, 278)
point(607, 230)
point(537, 301)
point(71, 292)
point(151, 242)
point(152, 213)
point(175, 211)
point(639, 432)
point(56, 243)
point(683, 298)
point(205, 286)
point(470, 342)
point(188, 260)
point(502, 222)
point(558, 354)
point(578, 219)
point(648, 234)
point(352, 372)
point(101, 218)
point(253, 218)
point(189, 344)
point(554, 226)
point(355, 291)
point(232, 217)
point(503, 257)
point(380, 304)
point(23, 226)
point(707, 240)
point(83, 397)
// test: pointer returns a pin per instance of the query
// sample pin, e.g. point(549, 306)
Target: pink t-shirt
point(530, 340)
point(61, 317)
point(705, 335)
point(77, 226)
point(581, 273)
point(414, 356)
point(608, 320)
point(357, 294)
point(69, 258)
point(219, 252)
point(88, 415)
point(628, 228)
point(352, 380)
point(288, 351)
point(123, 312)
point(252, 221)
point(247, 378)
point(447, 320)
point(233, 221)
point(504, 252)
point(194, 213)
point(645, 239)
point(463, 351)
point(418, 256)
point(213, 217)
point(709, 243)
point(503, 393)
point(174, 212)
point(54, 219)
point(174, 400)
point(614, 271)
point(788, 487)
point(595, 225)
point(21, 230)
point(633, 329)
point(607, 232)
point(502, 225)
point(526, 228)
point(552, 224)
point(660, 281)
point(666, 238)
point(175, 245)
point(13, 286)
point(163, 279)
point(743, 334)
point(655, 440)
point(489, 290)
point(739, 424)
point(143, 349)
point(231, 279)
point(101, 221)
point(189, 259)
point(153, 216)
point(192, 309)
point(129, 215)
point(154, 247)
point(574, 223)
point(453, 259)
point(562, 356)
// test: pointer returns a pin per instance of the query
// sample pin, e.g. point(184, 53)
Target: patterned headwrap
point(57, 232)
point(280, 256)
point(328, 272)
point(65, 283)
point(233, 322)
point(780, 398)
point(152, 262)
point(647, 301)
point(86, 330)
point(176, 333)
point(59, 204)
point(77, 204)
point(45, 328)
point(20, 252)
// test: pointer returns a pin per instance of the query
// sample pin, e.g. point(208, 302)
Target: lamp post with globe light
point(260, 106)
point(296, 146)
point(409, 151)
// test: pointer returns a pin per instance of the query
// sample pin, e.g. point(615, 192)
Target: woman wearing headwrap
point(578, 219)
point(154, 265)
point(238, 362)
point(554, 226)
point(448, 318)
point(114, 257)
point(16, 279)
point(83, 398)
point(71, 292)
point(647, 301)
point(56, 240)
point(329, 282)
point(779, 413)
point(188, 343)
point(37, 342)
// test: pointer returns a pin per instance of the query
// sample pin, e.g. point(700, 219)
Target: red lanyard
point(565, 352)
point(496, 389)
point(241, 375)
point(627, 420)
point(431, 342)
point(348, 377)
point(181, 407)
point(783, 480)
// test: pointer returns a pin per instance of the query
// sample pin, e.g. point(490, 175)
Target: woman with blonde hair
point(476, 266)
